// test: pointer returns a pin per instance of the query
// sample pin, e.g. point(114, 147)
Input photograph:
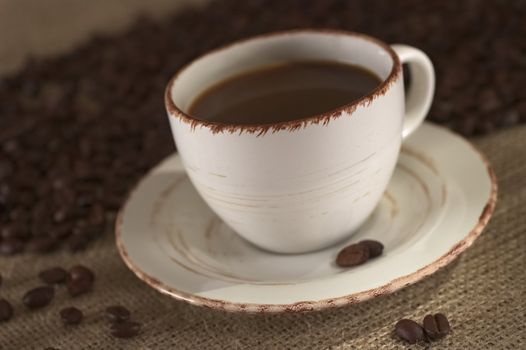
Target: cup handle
point(420, 94)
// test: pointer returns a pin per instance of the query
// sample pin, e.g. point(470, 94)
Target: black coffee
point(283, 92)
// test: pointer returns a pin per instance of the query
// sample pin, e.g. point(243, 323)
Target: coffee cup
point(300, 185)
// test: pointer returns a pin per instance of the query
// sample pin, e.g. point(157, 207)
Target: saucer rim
point(301, 306)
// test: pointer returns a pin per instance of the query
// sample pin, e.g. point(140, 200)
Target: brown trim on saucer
point(261, 129)
point(301, 306)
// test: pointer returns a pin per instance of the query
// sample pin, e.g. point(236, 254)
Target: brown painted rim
point(259, 129)
point(351, 299)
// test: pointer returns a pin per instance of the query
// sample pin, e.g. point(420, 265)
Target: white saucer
point(441, 196)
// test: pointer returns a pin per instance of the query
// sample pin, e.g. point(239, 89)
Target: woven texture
point(483, 293)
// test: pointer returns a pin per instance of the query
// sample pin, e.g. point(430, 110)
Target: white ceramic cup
point(299, 186)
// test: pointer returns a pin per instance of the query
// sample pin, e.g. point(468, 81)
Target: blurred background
point(81, 87)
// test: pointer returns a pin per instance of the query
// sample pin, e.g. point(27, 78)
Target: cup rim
point(292, 125)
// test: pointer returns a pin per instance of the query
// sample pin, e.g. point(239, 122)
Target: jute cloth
point(483, 293)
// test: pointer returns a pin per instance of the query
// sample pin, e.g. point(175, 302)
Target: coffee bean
point(80, 280)
point(117, 313)
point(436, 326)
point(71, 316)
point(19, 216)
point(80, 272)
point(60, 215)
point(11, 246)
point(443, 323)
point(97, 215)
point(353, 255)
point(78, 242)
point(38, 297)
point(16, 230)
point(6, 169)
point(79, 287)
point(127, 329)
point(375, 248)
point(410, 331)
point(6, 310)
point(53, 275)
point(60, 232)
point(42, 245)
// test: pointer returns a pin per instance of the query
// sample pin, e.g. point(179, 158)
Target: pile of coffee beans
point(76, 132)
point(434, 327)
point(358, 253)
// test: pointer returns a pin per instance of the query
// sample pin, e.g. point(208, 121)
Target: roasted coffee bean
point(436, 326)
point(53, 275)
point(353, 255)
point(375, 248)
point(79, 287)
point(117, 313)
point(97, 215)
point(16, 230)
point(6, 169)
point(80, 272)
point(78, 242)
point(10, 246)
point(38, 297)
point(6, 310)
point(60, 232)
point(42, 245)
point(127, 329)
point(410, 331)
point(20, 216)
point(71, 316)
point(60, 215)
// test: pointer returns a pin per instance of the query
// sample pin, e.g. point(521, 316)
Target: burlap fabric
point(483, 293)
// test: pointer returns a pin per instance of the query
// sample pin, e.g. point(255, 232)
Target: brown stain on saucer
point(421, 157)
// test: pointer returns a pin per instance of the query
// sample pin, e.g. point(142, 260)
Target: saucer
point(437, 203)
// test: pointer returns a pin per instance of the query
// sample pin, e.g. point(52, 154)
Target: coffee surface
point(283, 92)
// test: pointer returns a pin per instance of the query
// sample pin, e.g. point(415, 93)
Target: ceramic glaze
point(304, 185)
point(439, 199)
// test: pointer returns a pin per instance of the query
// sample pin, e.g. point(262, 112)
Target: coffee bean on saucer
point(6, 310)
point(53, 275)
point(410, 331)
point(71, 316)
point(375, 248)
point(353, 255)
point(38, 297)
point(127, 329)
point(117, 313)
point(11, 246)
point(436, 326)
